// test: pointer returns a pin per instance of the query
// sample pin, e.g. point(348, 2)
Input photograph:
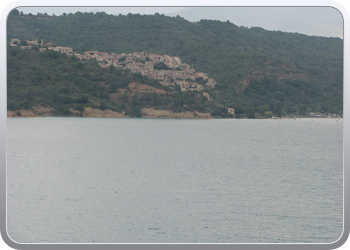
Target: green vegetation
point(256, 70)
point(161, 66)
point(268, 114)
point(53, 79)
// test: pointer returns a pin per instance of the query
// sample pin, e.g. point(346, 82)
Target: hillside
point(255, 69)
point(52, 83)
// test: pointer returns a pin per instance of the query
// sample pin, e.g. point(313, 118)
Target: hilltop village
point(259, 73)
point(169, 71)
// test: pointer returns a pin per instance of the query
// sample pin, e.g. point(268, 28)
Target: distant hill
point(319, 21)
point(255, 69)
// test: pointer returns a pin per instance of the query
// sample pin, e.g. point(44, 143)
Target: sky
point(324, 21)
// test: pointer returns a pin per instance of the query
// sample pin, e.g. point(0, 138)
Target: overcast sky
point(319, 21)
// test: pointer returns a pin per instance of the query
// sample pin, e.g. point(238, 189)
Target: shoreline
point(107, 113)
point(163, 114)
point(40, 111)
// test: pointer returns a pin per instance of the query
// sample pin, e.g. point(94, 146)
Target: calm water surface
point(74, 180)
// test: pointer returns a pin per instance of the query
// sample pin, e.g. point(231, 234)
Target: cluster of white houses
point(142, 62)
point(178, 73)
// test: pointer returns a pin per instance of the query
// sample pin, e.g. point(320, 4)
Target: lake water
point(83, 180)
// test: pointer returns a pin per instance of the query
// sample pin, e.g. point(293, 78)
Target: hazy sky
point(319, 21)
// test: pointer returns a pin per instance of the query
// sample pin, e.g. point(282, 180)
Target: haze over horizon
point(317, 21)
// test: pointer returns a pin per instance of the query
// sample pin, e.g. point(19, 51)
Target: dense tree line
point(228, 53)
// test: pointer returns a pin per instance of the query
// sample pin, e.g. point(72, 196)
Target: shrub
point(83, 99)
point(11, 105)
point(268, 114)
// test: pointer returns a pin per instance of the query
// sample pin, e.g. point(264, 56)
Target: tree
point(302, 109)
point(62, 110)
point(34, 47)
point(278, 95)
point(122, 59)
point(278, 109)
point(332, 110)
point(15, 12)
point(23, 43)
point(250, 113)
point(319, 108)
point(161, 66)
point(268, 114)
point(262, 109)
point(12, 105)
point(83, 99)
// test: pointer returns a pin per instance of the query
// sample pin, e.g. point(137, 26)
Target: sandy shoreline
point(146, 113)
point(107, 113)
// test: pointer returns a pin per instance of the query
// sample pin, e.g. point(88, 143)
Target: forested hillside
point(52, 79)
point(255, 69)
